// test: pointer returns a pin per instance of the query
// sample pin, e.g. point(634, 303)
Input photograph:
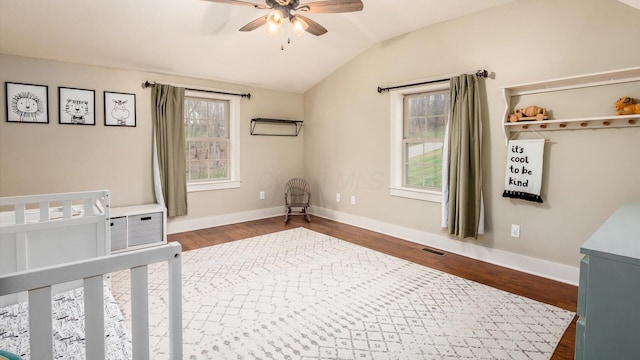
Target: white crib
point(39, 283)
point(54, 242)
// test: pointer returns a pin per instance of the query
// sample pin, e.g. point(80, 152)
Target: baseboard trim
point(544, 268)
point(178, 226)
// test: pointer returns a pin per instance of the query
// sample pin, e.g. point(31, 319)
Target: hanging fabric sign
point(524, 170)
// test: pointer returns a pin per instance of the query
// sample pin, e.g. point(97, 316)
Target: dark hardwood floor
point(537, 288)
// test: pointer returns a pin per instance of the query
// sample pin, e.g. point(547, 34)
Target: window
point(211, 141)
point(418, 122)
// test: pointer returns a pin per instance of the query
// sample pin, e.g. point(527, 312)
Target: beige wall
point(588, 173)
point(46, 158)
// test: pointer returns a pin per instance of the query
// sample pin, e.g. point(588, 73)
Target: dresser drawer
point(582, 288)
point(145, 229)
point(581, 326)
point(118, 233)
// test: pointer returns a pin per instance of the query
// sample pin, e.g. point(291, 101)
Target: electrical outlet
point(261, 195)
point(515, 230)
point(353, 200)
point(337, 197)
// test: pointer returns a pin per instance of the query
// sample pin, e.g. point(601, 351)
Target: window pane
point(218, 150)
point(425, 115)
point(414, 116)
point(423, 165)
point(436, 127)
point(219, 169)
point(218, 113)
point(198, 150)
point(197, 170)
point(438, 103)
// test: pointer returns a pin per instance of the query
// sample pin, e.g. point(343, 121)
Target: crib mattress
point(68, 327)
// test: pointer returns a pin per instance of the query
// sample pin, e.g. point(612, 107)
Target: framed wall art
point(119, 109)
point(27, 103)
point(77, 106)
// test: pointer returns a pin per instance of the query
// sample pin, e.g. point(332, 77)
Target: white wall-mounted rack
point(570, 83)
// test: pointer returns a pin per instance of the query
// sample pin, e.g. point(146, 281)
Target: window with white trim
point(212, 141)
point(419, 118)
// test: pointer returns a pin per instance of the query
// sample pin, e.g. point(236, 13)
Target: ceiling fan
point(291, 9)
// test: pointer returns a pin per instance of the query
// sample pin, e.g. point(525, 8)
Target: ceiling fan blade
point(314, 28)
point(254, 24)
point(331, 6)
point(239, 2)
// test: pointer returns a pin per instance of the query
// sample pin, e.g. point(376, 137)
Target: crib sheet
point(68, 324)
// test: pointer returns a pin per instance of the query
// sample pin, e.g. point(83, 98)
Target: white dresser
point(609, 293)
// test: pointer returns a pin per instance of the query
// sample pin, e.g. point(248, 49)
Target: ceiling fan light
point(299, 25)
point(274, 20)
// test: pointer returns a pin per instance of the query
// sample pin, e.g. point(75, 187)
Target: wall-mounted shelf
point(597, 122)
point(295, 125)
point(570, 83)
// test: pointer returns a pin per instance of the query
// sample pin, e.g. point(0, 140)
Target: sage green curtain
point(464, 158)
point(167, 114)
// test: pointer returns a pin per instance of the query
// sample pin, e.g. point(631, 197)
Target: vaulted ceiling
point(201, 39)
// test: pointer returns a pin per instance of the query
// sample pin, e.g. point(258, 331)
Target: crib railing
point(38, 284)
point(91, 200)
point(49, 229)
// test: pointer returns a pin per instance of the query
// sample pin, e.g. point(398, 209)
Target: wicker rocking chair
point(297, 196)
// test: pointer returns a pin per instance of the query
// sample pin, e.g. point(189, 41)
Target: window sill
point(218, 185)
point(423, 195)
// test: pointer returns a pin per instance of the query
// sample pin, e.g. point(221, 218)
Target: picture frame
point(119, 109)
point(77, 106)
point(27, 103)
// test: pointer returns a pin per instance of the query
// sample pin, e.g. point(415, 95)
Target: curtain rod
point(479, 73)
point(147, 84)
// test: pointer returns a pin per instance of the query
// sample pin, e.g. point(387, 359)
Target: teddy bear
point(625, 106)
point(529, 113)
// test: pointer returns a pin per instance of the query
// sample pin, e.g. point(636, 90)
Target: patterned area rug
point(299, 294)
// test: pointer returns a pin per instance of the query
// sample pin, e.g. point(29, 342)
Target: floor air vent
point(434, 251)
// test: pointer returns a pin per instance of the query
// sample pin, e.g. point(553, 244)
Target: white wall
point(46, 158)
point(588, 173)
